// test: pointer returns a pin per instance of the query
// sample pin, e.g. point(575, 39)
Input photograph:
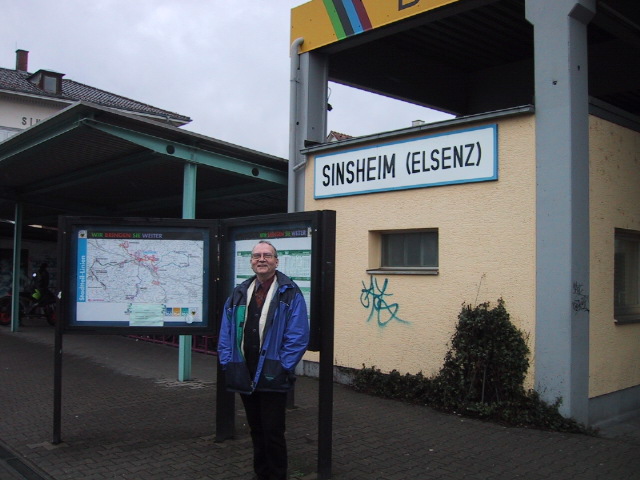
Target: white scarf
point(265, 306)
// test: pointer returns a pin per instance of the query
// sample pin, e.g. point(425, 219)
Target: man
point(40, 283)
point(263, 335)
point(42, 277)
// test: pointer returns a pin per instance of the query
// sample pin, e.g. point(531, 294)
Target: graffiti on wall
point(580, 301)
point(373, 298)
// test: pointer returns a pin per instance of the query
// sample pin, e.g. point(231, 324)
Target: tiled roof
point(337, 136)
point(17, 81)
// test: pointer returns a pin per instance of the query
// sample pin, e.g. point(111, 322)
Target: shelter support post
point(562, 201)
point(188, 211)
point(15, 285)
point(307, 115)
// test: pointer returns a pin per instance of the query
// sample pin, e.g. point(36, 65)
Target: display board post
point(57, 346)
point(325, 391)
point(57, 387)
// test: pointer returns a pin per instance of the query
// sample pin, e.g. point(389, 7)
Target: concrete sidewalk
point(125, 416)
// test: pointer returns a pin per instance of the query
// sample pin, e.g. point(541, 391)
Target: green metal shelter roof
point(92, 160)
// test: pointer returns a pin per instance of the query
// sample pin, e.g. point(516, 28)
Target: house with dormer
point(27, 98)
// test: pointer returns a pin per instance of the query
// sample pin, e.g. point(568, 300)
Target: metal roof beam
point(191, 154)
point(203, 196)
point(66, 207)
point(43, 137)
point(121, 165)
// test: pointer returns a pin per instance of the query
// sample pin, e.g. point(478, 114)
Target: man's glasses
point(266, 256)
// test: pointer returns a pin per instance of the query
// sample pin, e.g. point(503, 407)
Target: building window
point(626, 285)
point(48, 81)
point(50, 84)
point(407, 252)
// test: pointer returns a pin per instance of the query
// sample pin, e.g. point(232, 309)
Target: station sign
point(461, 156)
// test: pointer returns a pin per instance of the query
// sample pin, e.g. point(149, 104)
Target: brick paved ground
point(125, 416)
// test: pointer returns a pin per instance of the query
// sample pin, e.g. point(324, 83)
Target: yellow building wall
point(486, 251)
point(614, 203)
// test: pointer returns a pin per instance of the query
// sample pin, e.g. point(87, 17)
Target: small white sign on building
point(454, 157)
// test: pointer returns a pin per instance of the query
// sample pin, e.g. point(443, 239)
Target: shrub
point(482, 376)
point(488, 359)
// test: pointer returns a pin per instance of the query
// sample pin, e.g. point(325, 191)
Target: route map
point(141, 278)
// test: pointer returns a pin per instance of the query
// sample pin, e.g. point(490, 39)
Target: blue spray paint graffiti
point(373, 297)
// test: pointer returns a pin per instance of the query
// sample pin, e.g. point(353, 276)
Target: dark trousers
point(266, 417)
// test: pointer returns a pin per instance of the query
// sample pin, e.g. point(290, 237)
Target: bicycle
point(35, 304)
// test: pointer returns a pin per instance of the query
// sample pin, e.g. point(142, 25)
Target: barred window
point(407, 252)
point(627, 276)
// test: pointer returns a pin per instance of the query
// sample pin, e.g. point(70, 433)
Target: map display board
point(305, 242)
point(139, 277)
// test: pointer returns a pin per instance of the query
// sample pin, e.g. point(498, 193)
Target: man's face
point(263, 266)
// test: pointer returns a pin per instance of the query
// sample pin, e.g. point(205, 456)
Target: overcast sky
point(225, 64)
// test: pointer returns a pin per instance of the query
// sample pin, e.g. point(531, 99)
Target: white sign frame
point(462, 156)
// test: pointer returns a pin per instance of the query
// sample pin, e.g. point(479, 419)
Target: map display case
point(138, 275)
point(305, 242)
point(155, 276)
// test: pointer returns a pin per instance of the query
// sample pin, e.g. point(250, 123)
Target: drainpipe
point(294, 148)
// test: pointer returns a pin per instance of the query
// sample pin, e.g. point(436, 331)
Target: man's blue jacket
point(285, 339)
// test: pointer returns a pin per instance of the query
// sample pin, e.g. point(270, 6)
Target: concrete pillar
point(308, 117)
point(562, 204)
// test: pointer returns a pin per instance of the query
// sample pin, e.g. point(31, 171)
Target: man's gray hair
point(275, 250)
